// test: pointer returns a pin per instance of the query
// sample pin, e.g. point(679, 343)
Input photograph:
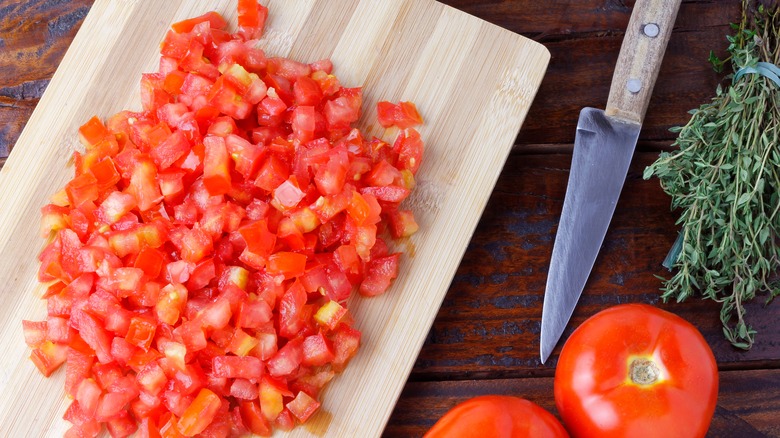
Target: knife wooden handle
point(640, 58)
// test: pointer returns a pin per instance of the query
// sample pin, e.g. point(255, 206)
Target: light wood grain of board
point(473, 82)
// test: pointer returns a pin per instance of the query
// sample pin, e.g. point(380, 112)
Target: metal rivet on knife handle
point(634, 85)
point(651, 30)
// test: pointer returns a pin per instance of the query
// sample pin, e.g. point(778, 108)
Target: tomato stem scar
point(643, 371)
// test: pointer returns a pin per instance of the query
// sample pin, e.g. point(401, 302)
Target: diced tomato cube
point(175, 353)
point(252, 314)
point(346, 341)
point(94, 335)
point(171, 303)
point(216, 168)
point(58, 330)
point(317, 350)
point(409, 147)
point(226, 98)
point(330, 314)
point(93, 132)
point(116, 205)
point(231, 367)
point(287, 195)
point(83, 188)
point(266, 345)
point(87, 395)
point(245, 155)
point(111, 404)
point(303, 406)
point(77, 368)
point(272, 173)
point(122, 425)
point(143, 185)
point(200, 413)
point(241, 343)
point(379, 273)
point(141, 332)
point(338, 287)
point(179, 271)
point(402, 223)
point(330, 177)
point(169, 151)
point(403, 115)
point(287, 359)
point(251, 19)
point(105, 173)
point(190, 379)
point(285, 421)
point(244, 389)
point(288, 264)
point(392, 194)
point(152, 378)
point(35, 332)
point(259, 239)
point(191, 335)
point(272, 393)
point(217, 314)
point(290, 308)
point(214, 19)
point(48, 356)
point(254, 418)
point(84, 424)
point(202, 274)
point(343, 110)
point(196, 245)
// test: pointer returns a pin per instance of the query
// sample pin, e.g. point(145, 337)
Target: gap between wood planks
point(567, 148)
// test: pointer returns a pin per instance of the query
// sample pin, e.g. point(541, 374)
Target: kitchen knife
point(603, 146)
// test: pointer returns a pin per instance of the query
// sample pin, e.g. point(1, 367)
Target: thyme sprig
point(725, 181)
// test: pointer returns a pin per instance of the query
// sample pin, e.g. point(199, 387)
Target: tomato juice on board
point(201, 257)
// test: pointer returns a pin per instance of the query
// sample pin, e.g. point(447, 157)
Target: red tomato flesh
point(203, 253)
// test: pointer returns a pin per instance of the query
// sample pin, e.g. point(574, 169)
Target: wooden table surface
point(485, 339)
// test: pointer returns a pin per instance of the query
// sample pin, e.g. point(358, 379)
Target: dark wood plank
point(584, 39)
point(34, 36)
point(488, 326)
point(489, 322)
point(748, 402)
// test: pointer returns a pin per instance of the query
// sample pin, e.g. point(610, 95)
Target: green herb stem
point(725, 181)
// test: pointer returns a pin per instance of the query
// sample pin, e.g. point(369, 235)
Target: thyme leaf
point(724, 179)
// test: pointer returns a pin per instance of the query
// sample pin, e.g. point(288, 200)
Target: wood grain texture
point(639, 60)
point(490, 321)
point(403, 50)
point(583, 37)
point(33, 38)
point(747, 403)
point(488, 324)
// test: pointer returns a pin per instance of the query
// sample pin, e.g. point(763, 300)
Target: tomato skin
point(594, 390)
point(496, 416)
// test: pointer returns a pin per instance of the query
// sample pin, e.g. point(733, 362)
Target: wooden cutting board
point(472, 81)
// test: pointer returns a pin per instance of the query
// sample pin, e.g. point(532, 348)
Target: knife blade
point(604, 144)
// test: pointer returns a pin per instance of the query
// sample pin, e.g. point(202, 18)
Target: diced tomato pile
point(202, 256)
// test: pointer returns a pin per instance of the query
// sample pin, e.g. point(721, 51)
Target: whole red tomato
point(636, 370)
point(497, 416)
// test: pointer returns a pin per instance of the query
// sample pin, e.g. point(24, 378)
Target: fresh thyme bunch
point(725, 181)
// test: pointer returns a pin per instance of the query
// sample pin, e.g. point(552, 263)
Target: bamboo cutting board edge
point(430, 64)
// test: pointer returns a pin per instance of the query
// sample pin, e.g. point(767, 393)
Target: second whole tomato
point(636, 371)
point(497, 416)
